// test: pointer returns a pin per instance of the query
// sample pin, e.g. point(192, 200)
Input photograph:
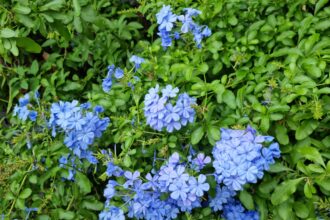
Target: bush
point(265, 65)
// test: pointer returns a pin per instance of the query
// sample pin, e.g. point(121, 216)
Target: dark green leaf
point(28, 44)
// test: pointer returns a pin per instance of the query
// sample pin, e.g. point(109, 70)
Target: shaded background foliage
point(266, 64)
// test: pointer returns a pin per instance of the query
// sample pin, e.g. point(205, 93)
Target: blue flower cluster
point(234, 210)
point(112, 213)
point(180, 186)
point(22, 110)
point(161, 113)
point(145, 199)
point(112, 71)
point(240, 158)
point(79, 125)
point(166, 20)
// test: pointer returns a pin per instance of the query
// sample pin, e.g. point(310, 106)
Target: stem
point(20, 187)
point(70, 203)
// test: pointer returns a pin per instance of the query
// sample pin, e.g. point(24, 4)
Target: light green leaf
point(83, 183)
point(281, 134)
point(229, 98)
point(197, 135)
point(283, 191)
point(319, 5)
point(93, 205)
point(306, 128)
point(8, 33)
point(312, 154)
point(246, 200)
point(25, 193)
point(21, 9)
point(76, 7)
point(63, 214)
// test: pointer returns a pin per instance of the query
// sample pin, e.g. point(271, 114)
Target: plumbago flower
point(180, 186)
point(137, 61)
point(22, 110)
point(144, 199)
point(161, 113)
point(166, 20)
point(240, 158)
point(118, 73)
point(80, 126)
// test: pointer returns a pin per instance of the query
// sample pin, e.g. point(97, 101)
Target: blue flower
point(169, 91)
point(119, 73)
point(22, 111)
point(199, 186)
point(235, 211)
point(240, 158)
point(200, 161)
point(107, 81)
point(222, 196)
point(131, 178)
point(165, 18)
point(179, 190)
point(107, 84)
point(137, 61)
point(160, 112)
point(112, 213)
point(192, 12)
point(110, 190)
point(79, 126)
point(24, 100)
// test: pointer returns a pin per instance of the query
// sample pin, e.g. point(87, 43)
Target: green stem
point(70, 203)
point(20, 187)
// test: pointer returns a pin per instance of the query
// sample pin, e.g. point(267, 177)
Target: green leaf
point(287, 52)
point(278, 168)
point(63, 214)
point(83, 183)
point(76, 7)
point(306, 128)
point(28, 44)
point(324, 183)
point(246, 200)
point(319, 5)
point(34, 67)
point(301, 210)
point(283, 191)
point(33, 179)
point(25, 20)
point(281, 134)
point(229, 98)
point(214, 132)
point(77, 24)
point(21, 9)
point(25, 193)
point(20, 204)
point(54, 5)
point(197, 135)
point(8, 33)
point(312, 154)
point(325, 90)
point(308, 190)
point(93, 205)
point(264, 124)
point(72, 86)
point(285, 211)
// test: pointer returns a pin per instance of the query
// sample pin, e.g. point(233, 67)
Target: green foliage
point(266, 64)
